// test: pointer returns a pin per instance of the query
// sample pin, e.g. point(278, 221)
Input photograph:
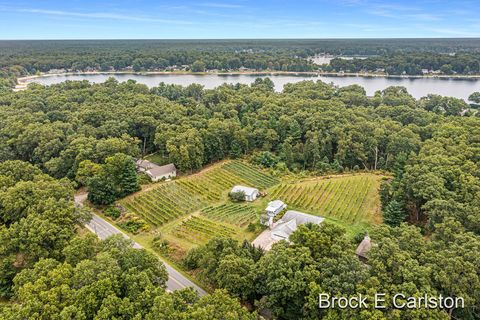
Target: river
point(418, 87)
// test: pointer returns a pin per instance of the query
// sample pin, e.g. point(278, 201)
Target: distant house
point(156, 172)
point(363, 248)
point(290, 222)
point(250, 193)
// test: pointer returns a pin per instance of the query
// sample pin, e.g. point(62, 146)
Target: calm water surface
point(418, 87)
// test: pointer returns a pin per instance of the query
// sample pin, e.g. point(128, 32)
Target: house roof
point(162, 170)
point(284, 230)
point(247, 190)
point(290, 221)
point(301, 217)
point(145, 164)
point(275, 205)
point(364, 247)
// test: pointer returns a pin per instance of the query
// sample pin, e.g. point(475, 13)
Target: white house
point(156, 172)
point(250, 193)
point(290, 222)
point(274, 208)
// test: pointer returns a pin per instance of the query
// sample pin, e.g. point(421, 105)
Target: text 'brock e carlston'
point(398, 301)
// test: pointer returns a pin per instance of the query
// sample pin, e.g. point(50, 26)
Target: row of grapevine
point(199, 230)
point(233, 213)
point(341, 197)
point(254, 177)
point(171, 200)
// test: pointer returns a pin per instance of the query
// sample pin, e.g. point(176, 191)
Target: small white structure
point(156, 172)
point(290, 222)
point(274, 207)
point(250, 193)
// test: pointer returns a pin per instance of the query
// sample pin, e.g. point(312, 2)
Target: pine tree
point(394, 213)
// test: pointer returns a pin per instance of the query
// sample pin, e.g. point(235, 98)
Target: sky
point(217, 19)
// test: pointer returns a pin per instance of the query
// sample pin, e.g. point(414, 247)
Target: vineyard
point(168, 201)
point(233, 213)
point(198, 230)
point(348, 198)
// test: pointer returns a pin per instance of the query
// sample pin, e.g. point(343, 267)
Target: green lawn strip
point(145, 241)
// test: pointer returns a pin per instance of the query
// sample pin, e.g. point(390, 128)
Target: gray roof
point(247, 190)
point(162, 170)
point(145, 164)
point(274, 205)
point(291, 220)
point(301, 217)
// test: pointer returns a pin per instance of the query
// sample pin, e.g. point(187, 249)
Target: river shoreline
point(22, 82)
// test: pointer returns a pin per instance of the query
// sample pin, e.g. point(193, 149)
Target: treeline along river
point(418, 87)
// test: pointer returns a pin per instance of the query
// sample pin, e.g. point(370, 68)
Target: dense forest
point(55, 138)
point(395, 56)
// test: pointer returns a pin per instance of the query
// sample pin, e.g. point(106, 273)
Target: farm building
point(289, 223)
point(250, 193)
point(156, 172)
point(274, 207)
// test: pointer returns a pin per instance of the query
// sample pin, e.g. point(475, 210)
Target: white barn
point(250, 193)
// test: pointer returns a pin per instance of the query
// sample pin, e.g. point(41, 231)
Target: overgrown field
point(233, 213)
point(349, 198)
point(168, 201)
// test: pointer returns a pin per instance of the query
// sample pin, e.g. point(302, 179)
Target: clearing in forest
point(191, 210)
point(169, 201)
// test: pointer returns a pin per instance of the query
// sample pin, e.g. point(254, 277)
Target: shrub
point(237, 196)
point(112, 212)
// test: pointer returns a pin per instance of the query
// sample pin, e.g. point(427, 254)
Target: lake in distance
point(418, 87)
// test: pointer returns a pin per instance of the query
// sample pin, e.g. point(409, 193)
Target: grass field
point(348, 198)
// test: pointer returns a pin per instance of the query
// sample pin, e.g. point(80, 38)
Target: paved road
point(104, 229)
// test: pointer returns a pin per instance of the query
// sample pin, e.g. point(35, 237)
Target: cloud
point(220, 5)
point(101, 15)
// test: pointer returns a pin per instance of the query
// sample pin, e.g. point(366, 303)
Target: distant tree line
point(394, 55)
point(411, 63)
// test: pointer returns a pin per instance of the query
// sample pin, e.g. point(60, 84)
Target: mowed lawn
point(352, 199)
